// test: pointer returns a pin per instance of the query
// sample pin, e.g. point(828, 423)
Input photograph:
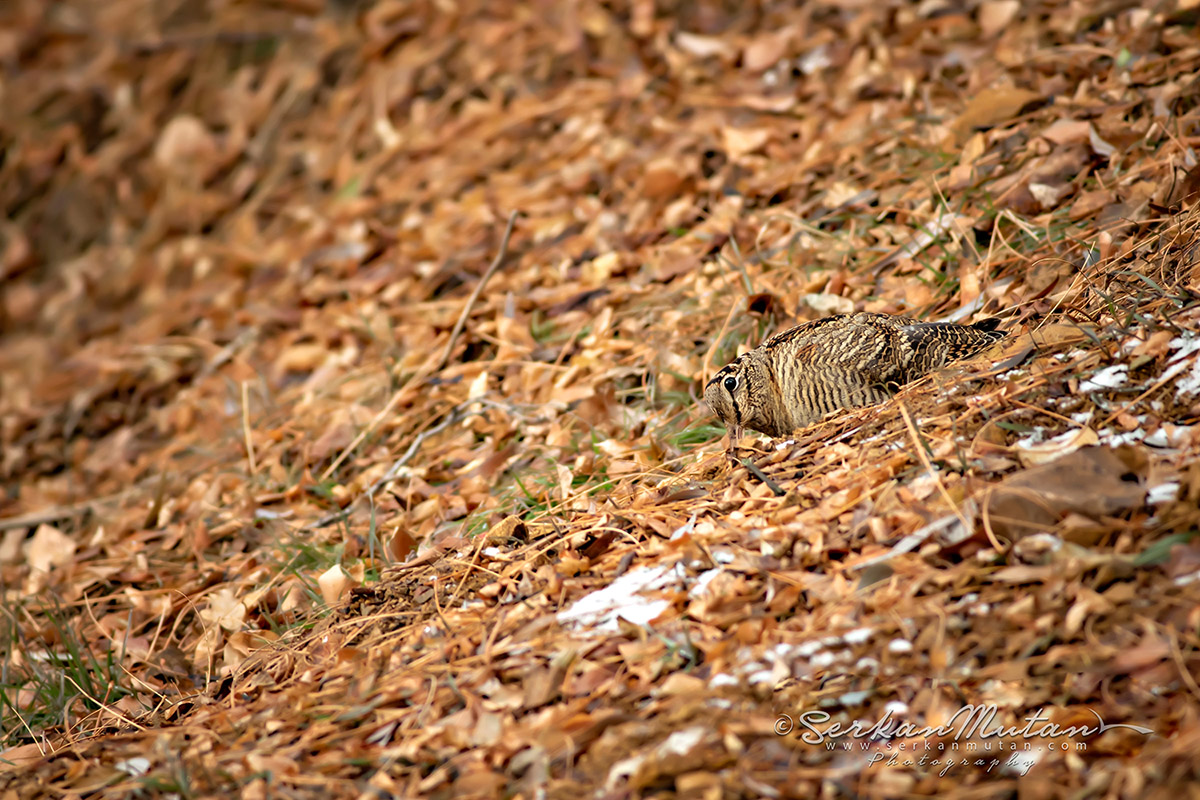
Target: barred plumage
point(844, 361)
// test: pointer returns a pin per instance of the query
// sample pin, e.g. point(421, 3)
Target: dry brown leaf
point(991, 107)
point(1089, 203)
point(1092, 480)
point(186, 147)
point(664, 178)
point(334, 584)
point(1067, 131)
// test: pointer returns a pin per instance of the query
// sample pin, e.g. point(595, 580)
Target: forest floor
point(317, 483)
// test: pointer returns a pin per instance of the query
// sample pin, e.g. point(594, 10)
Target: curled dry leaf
point(740, 142)
point(766, 50)
point(334, 584)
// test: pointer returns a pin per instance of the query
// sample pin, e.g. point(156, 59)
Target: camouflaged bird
point(845, 361)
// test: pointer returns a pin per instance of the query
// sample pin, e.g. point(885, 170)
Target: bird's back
point(859, 359)
point(837, 362)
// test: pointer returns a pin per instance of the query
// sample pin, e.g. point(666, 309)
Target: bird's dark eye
point(730, 384)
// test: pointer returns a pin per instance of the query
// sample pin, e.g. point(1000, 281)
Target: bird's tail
point(938, 343)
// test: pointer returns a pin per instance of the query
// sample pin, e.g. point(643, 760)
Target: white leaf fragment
point(1163, 493)
point(1189, 384)
point(1108, 378)
point(621, 599)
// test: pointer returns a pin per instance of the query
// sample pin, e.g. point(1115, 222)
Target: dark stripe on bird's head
point(723, 372)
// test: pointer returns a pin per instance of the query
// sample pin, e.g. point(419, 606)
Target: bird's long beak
point(735, 436)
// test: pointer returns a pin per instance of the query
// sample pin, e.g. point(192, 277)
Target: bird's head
point(735, 393)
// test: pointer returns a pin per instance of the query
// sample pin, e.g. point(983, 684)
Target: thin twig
point(456, 415)
point(937, 479)
point(1154, 387)
point(246, 427)
point(471, 565)
point(707, 365)
point(427, 370)
point(762, 476)
point(739, 265)
point(35, 518)
point(102, 706)
point(487, 276)
point(1184, 672)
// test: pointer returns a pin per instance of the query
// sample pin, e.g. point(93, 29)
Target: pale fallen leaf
point(186, 147)
point(744, 141)
point(840, 193)
point(48, 548)
point(1099, 146)
point(1067, 131)
point(1044, 452)
point(766, 50)
point(995, 15)
point(302, 357)
point(598, 271)
point(704, 46)
point(268, 763)
point(11, 545)
point(224, 609)
point(479, 386)
point(1150, 650)
point(565, 479)
point(1048, 195)
point(829, 303)
point(334, 584)
point(240, 644)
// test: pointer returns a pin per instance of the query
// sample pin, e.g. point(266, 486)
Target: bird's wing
point(858, 351)
point(934, 344)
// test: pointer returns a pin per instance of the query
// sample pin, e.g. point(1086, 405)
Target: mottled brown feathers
point(845, 361)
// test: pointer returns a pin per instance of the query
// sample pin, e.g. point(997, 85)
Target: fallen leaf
point(224, 609)
point(1045, 452)
point(1067, 131)
point(991, 107)
point(1091, 481)
point(49, 547)
point(740, 142)
point(334, 584)
point(995, 15)
point(766, 50)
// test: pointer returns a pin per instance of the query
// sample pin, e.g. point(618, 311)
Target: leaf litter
point(318, 484)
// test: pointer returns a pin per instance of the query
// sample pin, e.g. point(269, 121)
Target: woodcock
point(796, 377)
